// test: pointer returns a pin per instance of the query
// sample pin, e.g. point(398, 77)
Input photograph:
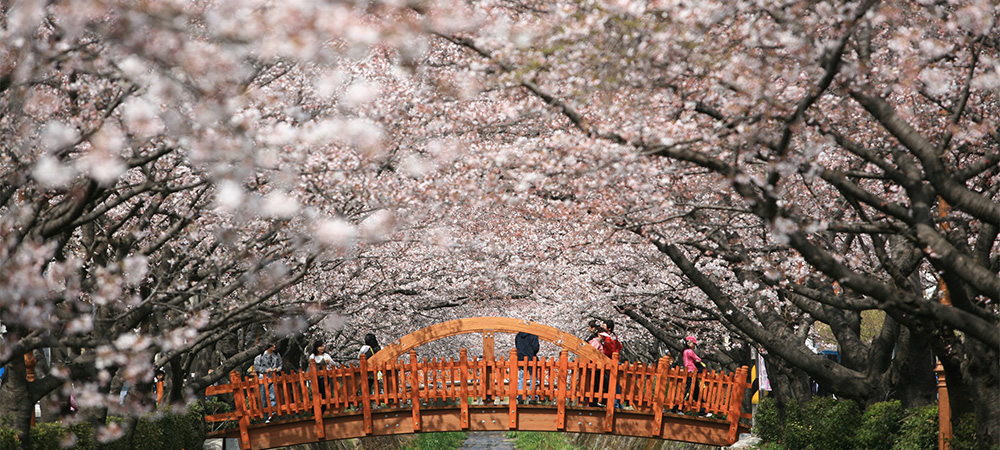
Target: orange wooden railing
point(561, 383)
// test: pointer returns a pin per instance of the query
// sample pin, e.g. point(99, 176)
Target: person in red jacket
point(611, 345)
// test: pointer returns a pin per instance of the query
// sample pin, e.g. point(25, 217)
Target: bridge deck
point(447, 395)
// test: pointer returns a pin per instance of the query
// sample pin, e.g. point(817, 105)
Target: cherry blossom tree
point(184, 181)
point(148, 216)
point(827, 159)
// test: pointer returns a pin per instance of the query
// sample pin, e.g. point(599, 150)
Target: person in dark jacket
point(527, 349)
point(368, 350)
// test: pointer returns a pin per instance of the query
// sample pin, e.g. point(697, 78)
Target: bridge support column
point(366, 398)
point(241, 409)
point(415, 390)
point(660, 393)
point(317, 400)
point(944, 409)
point(563, 380)
point(612, 388)
point(512, 388)
point(463, 364)
point(488, 345)
point(489, 359)
point(738, 388)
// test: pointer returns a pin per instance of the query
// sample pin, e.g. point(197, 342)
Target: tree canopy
point(185, 181)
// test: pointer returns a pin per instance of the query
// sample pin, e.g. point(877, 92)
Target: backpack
point(612, 345)
point(596, 343)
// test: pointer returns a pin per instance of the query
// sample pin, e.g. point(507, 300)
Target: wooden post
point(609, 418)
point(317, 400)
point(563, 380)
point(281, 393)
point(29, 375)
point(490, 358)
point(414, 391)
point(944, 410)
point(660, 394)
point(463, 372)
point(738, 387)
point(488, 345)
point(366, 404)
point(512, 388)
point(239, 400)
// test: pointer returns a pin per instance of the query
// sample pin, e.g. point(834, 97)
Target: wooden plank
point(222, 417)
point(585, 422)
point(487, 419)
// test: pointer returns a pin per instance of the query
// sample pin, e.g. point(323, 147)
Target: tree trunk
point(981, 376)
point(788, 383)
point(912, 374)
point(987, 413)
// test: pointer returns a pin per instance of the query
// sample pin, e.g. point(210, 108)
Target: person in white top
point(323, 361)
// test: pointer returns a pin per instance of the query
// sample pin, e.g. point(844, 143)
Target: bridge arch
point(487, 326)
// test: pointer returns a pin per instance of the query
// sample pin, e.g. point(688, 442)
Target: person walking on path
point(693, 365)
point(268, 364)
point(323, 361)
point(527, 349)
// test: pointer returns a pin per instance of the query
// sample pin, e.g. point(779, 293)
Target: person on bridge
point(527, 349)
point(323, 361)
point(611, 345)
point(693, 365)
point(369, 349)
point(265, 364)
point(594, 339)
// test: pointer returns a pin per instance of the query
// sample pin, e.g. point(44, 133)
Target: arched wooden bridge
point(412, 396)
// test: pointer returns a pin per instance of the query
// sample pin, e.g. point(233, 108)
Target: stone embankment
point(611, 442)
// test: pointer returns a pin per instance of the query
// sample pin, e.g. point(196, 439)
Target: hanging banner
point(765, 383)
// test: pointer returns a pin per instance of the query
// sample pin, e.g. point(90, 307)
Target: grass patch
point(533, 440)
point(438, 441)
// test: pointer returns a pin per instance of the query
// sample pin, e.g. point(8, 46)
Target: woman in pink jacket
point(693, 364)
